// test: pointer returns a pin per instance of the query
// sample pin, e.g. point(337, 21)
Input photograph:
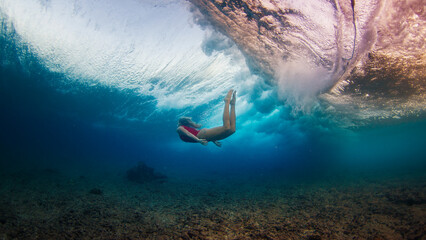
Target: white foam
point(151, 47)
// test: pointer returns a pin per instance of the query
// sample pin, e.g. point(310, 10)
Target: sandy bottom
point(48, 204)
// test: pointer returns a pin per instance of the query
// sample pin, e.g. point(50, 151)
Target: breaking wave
point(172, 54)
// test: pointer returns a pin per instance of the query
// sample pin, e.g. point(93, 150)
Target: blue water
point(90, 89)
point(60, 108)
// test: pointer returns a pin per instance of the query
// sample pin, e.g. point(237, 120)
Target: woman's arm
point(182, 130)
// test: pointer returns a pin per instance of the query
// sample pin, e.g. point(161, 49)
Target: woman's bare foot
point(204, 142)
point(234, 98)
point(217, 143)
point(228, 96)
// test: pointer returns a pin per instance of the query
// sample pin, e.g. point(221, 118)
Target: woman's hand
point(203, 141)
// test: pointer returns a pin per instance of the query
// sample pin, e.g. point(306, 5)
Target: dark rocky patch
point(406, 197)
point(7, 213)
point(96, 191)
point(143, 174)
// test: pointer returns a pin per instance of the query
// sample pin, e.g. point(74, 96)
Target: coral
point(143, 174)
point(96, 191)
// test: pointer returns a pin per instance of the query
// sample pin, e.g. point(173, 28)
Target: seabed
point(50, 204)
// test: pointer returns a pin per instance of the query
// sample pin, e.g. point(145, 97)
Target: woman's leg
point(224, 131)
point(233, 117)
point(226, 120)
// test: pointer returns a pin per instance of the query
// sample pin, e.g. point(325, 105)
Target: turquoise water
point(93, 88)
point(112, 91)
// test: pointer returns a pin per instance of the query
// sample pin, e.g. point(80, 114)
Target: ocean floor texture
point(50, 204)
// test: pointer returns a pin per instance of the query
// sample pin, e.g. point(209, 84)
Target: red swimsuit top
point(193, 131)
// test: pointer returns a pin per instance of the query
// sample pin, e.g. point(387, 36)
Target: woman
point(188, 132)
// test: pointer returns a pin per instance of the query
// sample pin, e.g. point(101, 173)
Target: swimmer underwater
point(188, 129)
